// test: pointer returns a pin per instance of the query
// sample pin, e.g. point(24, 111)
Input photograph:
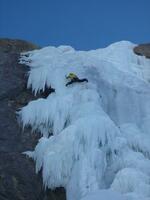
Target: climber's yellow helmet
point(71, 76)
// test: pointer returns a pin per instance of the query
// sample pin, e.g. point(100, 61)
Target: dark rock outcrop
point(18, 180)
point(142, 50)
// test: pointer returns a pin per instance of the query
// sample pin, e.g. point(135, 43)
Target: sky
point(83, 24)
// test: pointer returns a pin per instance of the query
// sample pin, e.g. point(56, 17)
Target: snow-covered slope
point(100, 129)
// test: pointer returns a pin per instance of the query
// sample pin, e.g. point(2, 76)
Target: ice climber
point(74, 79)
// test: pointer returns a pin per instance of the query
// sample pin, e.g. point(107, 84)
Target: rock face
point(143, 50)
point(18, 180)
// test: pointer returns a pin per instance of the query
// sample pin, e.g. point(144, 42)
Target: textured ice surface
point(100, 129)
